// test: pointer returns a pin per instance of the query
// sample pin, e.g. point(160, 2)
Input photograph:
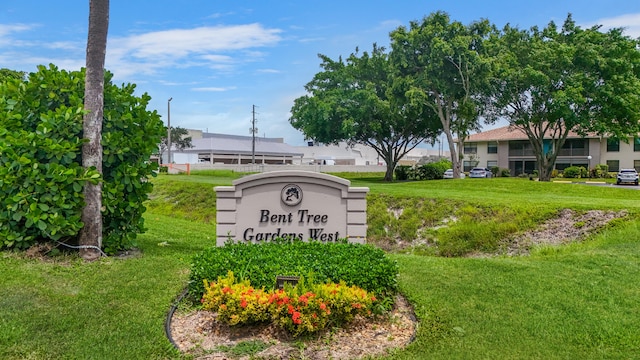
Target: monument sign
point(303, 205)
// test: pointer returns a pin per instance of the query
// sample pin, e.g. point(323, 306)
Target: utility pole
point(253, 131)
point(169, 130)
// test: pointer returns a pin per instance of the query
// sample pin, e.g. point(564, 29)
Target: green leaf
point(17, 216)
point(41, 225)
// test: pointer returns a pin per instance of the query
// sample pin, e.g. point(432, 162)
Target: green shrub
point(41, 177)
point(358, 265)
point(600, 171)
point(402, 172)
point(575, 172)
point(505, 173)
point(431, 171)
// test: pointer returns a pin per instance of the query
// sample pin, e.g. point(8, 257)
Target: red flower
point(243, 303)
point(323, 306)
point(296, 318)
point(290, 309)
point(356, 305)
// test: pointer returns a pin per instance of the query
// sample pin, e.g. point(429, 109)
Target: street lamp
point(169, 130)
point(589, 168)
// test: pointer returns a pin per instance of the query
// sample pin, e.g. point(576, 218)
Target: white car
point(449, 174)
point(629, 176)
point(479, 172)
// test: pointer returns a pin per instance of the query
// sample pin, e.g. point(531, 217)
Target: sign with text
point(290, 204)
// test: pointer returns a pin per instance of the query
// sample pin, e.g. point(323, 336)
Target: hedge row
point(358, 265)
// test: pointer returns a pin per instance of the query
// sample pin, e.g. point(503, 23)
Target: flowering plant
point(235, 302)
point(302, 309)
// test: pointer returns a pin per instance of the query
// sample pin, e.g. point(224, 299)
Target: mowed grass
point(580, 301)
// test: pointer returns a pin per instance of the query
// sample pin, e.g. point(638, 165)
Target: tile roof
point(509, 132)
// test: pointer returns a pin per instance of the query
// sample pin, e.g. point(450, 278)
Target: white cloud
point(6, 30)
point(147, 53)
point(269, 71)
point(180, 43)
point(214, 89)
point(630, 22)
point(13, 28)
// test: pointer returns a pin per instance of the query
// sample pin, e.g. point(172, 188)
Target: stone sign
point(291, 204)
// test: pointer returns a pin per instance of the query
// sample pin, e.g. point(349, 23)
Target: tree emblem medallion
point(291, 194)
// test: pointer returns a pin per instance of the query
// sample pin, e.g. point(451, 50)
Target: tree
point(91, 233)
point(179, 140)
point(7, 74)
point(445, 67)
point(555, 81)
point(358, 101)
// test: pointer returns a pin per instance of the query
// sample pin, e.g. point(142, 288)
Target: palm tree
point(91, 234)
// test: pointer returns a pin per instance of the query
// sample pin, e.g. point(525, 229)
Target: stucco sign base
point(291, 204)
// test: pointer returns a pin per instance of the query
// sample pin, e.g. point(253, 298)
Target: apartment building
point(508, 147)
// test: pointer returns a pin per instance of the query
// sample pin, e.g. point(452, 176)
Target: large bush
point(358, 265)
point(41, 177)
point(402, 172)
point(431, 171)
point(575, 172)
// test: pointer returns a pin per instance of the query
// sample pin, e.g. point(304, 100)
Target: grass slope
point(578, 301)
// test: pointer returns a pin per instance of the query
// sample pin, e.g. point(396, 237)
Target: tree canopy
point(445, 67)
point(179, 140)
point(358, 100)
point(554, 81)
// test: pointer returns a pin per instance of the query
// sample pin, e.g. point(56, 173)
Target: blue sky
point(218, 58)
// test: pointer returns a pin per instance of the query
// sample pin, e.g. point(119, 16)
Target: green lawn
point(576, 302)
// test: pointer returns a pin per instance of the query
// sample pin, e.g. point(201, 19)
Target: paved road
point(625, 186)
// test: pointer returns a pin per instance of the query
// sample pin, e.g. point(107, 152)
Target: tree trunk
point(91, 233)
point(391, 166)
point(455, 159)
point(545, 168)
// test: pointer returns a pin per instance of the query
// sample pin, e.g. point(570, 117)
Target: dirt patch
point(568, 226)
point(199, 334)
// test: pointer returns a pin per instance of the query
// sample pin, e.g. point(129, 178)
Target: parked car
point(449, 174)
point(479, 172)
point(627, 176)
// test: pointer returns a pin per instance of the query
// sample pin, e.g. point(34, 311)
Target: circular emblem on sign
point(291, 194)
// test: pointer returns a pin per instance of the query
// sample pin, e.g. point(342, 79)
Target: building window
point(613, 165)
point(636, 144)
point(636, 165)
point(468, 165)
point(492, 147)
point(491, 164)
point(471, 148)
point(520, 148)
point(574, 147)
point(613, 145)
